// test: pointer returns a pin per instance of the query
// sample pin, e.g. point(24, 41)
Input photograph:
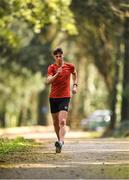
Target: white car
point(98, 120)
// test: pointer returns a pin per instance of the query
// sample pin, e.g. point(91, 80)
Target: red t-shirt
point(60, 88)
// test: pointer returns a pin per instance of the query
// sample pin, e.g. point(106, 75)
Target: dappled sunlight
point(26, 129)
point(83, 134)
point(96, 150)
point(45, 132)
point(33, 132)
point(124, 162)
point(64, 165)
point(32, 165)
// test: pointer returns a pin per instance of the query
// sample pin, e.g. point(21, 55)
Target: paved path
point(81, 158)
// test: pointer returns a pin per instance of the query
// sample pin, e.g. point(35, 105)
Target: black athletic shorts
point(58, 104)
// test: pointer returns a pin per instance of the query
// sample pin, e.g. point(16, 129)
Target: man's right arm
point(51, 79)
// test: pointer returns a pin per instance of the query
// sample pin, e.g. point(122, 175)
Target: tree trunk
point(77, 101)
point(22, 119)
point(116, 81)
point(2, 119)
point(125, 94)
point(19, 123)
point(43, 107)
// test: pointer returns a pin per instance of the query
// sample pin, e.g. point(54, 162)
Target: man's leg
point(62, 124)
point(55, 117)
point(61, 119)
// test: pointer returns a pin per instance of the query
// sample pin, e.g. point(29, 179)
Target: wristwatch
point(75, 84)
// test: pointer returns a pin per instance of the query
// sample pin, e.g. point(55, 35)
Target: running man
point(59, 77)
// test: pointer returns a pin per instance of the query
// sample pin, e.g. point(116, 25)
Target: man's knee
point(62, 122)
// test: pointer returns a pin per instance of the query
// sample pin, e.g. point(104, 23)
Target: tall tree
point(121, 9)
point(125, 94)
point(115, 86)
point(96, 36)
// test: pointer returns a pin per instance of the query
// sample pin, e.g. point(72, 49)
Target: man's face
point(58, 57)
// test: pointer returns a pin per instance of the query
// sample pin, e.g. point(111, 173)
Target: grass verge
point(15, 145)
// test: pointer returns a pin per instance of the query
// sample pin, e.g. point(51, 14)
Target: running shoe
point(58, 146)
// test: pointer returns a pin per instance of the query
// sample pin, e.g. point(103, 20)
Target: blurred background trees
point(94, 36)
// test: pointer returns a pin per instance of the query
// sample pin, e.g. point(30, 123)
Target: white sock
point(62, 142)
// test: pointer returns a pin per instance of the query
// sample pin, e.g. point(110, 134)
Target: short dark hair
point(58, 50)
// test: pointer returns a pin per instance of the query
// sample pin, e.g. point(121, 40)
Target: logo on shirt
point(66, 107)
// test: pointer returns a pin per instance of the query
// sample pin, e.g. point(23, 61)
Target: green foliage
point(38, 13)
point(36, 56)
point(94, 23)
point(19, 89)
point(15, 145)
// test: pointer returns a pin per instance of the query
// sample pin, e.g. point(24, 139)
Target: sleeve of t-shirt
point(50, 71)
point(72, 68)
